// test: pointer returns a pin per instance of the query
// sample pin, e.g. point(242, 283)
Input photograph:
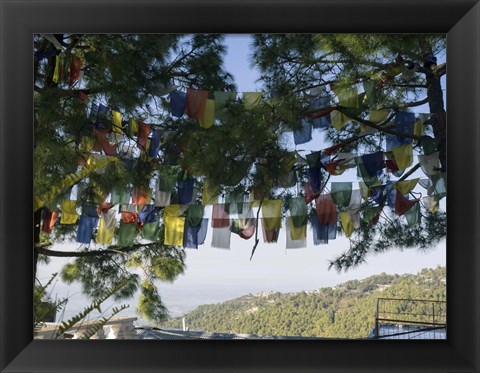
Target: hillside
point(343, 311)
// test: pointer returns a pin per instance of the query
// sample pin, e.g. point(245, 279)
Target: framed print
point(20, 21)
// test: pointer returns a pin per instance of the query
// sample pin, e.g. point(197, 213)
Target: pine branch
point(110, 251)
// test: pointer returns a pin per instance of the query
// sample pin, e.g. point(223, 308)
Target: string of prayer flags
point(430, 164)
point(178, 102)
point(69, 213)
point(106, 228)
point(196, 102)
point(220, 218)
point(195, 235)
point(272, 213)
point(325, 209)
point(208, 118)
point(85, 228)
point(174, 225)
point(251, 99)
point(341, 193)
point(221, 238)
point(49, 218)
point(296, 236)
point(126, 234)
point(304, 133)
point(222, 100)
point(404, 123)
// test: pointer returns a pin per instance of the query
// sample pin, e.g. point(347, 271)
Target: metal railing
point(431, 314)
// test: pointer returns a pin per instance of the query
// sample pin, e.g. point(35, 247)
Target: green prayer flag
point(341, 193)
point(151, 231)
point(126, 234)
point(195, 215)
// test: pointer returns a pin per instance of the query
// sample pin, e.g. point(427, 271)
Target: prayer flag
point(126, 234)
point(251, 99)
point(196, 102)
point(178, 102)
point(206, 121)
point(69, 213)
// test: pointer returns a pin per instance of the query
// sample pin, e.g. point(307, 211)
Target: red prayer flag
point(196, 102)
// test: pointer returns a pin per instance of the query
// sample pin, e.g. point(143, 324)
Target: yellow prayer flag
point(338, 119)
point(406, 186)
point(378, 116)
point(251, 99)
point(418, 129)
point(174, 228)
point(272, 213)
point(297, 233)
point(133, 125)
point(171, 211)
point(346, 223)
point(364, 190)
point(117, 121)
point(348, 97)
point(105, 233)
point(403, 156)
point(68, 212)
point(209, 195)
point(56, 72)
point(206, 121)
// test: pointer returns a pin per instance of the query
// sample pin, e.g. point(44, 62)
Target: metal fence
point(410, 319)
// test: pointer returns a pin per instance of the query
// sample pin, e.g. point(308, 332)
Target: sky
point(215, 275)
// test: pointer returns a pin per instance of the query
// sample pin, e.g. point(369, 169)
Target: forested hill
point(343, 311)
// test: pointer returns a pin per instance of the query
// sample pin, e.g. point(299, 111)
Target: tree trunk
point(437, 108)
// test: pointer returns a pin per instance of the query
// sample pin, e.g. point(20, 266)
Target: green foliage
point(150, 304)
point(343, 311)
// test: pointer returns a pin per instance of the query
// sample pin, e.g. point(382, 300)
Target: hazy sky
point(215, 275)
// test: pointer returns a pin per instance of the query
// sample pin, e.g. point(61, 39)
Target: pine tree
point(81, 83)
point(396, 74)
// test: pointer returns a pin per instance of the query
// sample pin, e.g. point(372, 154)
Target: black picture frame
point(460, 20)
